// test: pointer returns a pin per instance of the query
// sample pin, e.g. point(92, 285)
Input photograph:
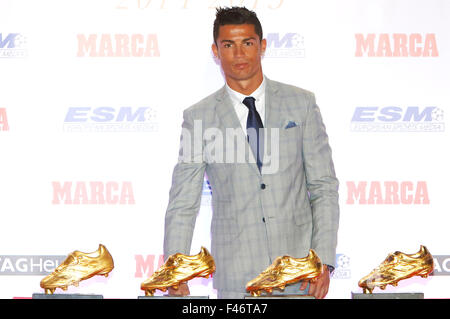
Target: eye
point(249, 43)
point(227, 45)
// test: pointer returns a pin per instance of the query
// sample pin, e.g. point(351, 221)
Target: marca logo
point(29, 265)
point(3, 120)
point(342, 270)
point(387, 193)
point(396, 45)
point(398, 119)
point(441, 265)
point(111, 119)
point(93, 193)
point(118, 45)
point(12, 45)
point(148, 265)
point(287, 45)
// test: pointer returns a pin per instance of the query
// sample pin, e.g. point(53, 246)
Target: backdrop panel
point(91, 101)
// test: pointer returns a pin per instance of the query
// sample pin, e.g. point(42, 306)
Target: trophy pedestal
point(281, 297)
point(65, 296)
point(173, 297)
point(401, 295)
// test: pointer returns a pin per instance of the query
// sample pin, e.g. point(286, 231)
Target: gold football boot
point(78, 266)
point(396, 267)
point(180, 268)
point(286, 270)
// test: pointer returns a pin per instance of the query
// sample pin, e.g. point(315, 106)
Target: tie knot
point(249, 102)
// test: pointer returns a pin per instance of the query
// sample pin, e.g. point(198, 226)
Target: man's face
point(239, 50)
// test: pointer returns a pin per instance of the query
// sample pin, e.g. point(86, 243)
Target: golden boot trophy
point(78, 266)
point(398, 266)
point(180, 268)
point(286, 270)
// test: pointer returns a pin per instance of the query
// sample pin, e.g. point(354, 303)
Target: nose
point(239, 51)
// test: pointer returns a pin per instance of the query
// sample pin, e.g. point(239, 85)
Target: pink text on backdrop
point(148, 265)
point(389, 193)
point(95, 193)
point(396, 45)
point(118, 45)
point(3, 120)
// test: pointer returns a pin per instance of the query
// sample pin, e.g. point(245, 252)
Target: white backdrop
point(92, 94)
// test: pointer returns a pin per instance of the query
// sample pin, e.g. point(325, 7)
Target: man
point(259, 213)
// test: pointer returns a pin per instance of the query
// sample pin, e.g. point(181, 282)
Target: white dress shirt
point(242, 110)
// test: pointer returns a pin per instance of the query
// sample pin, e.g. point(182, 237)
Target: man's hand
point(319, 288)
point(183, 290)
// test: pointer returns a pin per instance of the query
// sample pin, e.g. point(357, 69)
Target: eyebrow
point(243, 40)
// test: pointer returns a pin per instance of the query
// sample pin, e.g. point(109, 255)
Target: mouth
point(241, 66)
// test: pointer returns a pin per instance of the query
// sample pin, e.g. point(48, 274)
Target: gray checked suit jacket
point(288, 208)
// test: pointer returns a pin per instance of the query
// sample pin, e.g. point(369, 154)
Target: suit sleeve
point(185, 192)
point(322, 185)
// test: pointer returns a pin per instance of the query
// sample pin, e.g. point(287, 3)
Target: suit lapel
point(272, 117)
point(228, 117)
point(273, 102)
point(225, 110)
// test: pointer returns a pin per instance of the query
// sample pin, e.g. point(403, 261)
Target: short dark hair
point(236, 15)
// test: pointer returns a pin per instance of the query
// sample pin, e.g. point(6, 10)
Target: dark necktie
point(254, 123)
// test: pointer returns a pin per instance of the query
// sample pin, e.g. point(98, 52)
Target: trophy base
point(65, 296)
point(173, 297)
point(281, 297)
point(400, 295)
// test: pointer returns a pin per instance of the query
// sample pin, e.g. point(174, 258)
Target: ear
point(263, 46)
point(215, 50)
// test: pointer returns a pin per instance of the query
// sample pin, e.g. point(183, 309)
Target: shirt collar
point(239, 97)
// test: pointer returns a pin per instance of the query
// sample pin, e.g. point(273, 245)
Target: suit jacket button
point(263, 186)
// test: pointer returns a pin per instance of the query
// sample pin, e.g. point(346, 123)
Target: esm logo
point(110, 119)
point(285, 45)
point(397, 119)
point(206, 192)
